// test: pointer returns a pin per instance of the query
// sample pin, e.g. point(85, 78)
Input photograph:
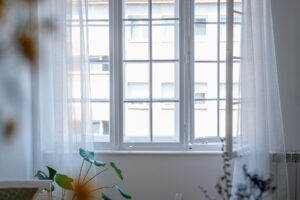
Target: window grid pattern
point(99, 64)
point(198, 136)
point(150, 22)
point(143, 28)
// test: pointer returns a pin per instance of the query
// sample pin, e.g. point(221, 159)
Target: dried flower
point(82, 191)
point(9, 128)
point(2, 8)
point(27, 45)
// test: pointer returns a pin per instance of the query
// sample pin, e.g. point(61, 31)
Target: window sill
point(137, 152)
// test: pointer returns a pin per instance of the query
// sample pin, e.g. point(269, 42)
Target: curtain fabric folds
point(64, 104)
point(262, 125)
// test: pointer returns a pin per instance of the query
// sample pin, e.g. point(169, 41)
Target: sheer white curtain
point(262, 126)
point(64, 108)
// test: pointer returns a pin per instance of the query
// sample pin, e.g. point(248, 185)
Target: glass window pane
point(206, 9)
point(237, 40)
point(164, 38)
point(236, 36)
point(136, 122)
point(98, 9)
point(223, 8)
point(75, 11)
point(75, 40)
point(235, 119)
point(206, 42)
point(136, 40)
point(206, 119)
point(163, 80)
point(165, 116)
point(135, 9)
point(99, 40)
point(236, 80)
point(101, 121)
point(238, 5)
point(206, 80)
point(99, 80)
point(165, 9)
point(200, 28)
point(136, 80)
point(76, 118)
point(76, 86)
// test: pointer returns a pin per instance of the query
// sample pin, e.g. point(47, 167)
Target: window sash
point(186, 83)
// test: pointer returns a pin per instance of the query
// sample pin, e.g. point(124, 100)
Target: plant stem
point(87, 172)
point(80, 170)
point(100, 188)
point(63, 195)
point(96, 175)
point(74, 195)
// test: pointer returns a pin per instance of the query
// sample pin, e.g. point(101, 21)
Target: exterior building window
point(138, 32)
point(152, 86)
point(105, 66)
point(105, 127)
point(200, 27)
point(200, 95)
point(101, 128)
point(96, 128)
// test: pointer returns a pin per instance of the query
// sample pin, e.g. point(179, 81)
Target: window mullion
point(115, 14)
point(190, 70)
point(185, 40)
point(229, 75)
point(218, 69)
point(150, 72)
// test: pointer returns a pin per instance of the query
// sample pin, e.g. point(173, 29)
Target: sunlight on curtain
point(65, 116)
point(262, 125)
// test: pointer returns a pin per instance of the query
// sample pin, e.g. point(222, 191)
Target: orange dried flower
point(9, 128)
point(2, 5)
point(82, 191)
point(28, 47)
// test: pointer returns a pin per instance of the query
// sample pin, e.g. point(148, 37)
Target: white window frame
point(186, 83)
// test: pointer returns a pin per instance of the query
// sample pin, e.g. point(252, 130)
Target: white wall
point(149, 177)
point(15, 104)
point(286, 17)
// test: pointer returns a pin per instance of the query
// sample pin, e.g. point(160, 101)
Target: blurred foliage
point(254, 188)
point(20, 28)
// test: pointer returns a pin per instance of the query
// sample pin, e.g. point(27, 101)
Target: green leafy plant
point(79, 188)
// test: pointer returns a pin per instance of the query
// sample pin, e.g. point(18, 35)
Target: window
point(200, 27)
point(153, 86)
point(200, 90)
point(137, 30)
point(146, 67)
point(101, 128)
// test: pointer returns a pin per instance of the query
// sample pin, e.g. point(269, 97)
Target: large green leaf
point(52, 172)
point(99, 163)
point(117, 170)
point(64, 181)
point(122, 192)
point(41, 175)
point(90, 157)
point(87, 155)
point(105, 197)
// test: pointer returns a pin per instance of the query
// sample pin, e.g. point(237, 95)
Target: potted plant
point(81, 189)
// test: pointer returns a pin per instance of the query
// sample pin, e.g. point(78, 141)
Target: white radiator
point(293, 167)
